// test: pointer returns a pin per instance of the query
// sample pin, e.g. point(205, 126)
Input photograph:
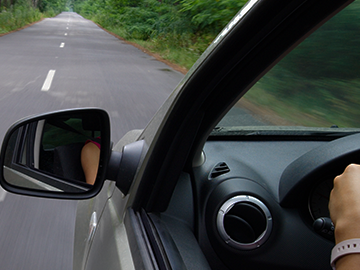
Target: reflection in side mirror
point(61, 152)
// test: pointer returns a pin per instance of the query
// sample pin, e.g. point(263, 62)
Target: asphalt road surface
point(60, 63)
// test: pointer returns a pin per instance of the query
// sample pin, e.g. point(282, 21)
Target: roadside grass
point(182, 56)
point(182, 50)
point(17, 17)
point(274, 109)
point(323, 110)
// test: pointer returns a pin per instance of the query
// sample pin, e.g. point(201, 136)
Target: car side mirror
point(62, 154)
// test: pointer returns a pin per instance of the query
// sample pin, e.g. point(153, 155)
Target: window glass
point(316, 85)
point(69, 132)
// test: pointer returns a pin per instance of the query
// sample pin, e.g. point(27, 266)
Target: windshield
point(315, 87)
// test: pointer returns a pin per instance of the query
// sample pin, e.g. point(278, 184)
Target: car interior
point(248, 199)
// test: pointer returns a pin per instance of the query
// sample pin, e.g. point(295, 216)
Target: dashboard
point(254, 202)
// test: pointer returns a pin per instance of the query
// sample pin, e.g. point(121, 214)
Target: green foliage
point(17, 16)
point(319, 78)
point(172, 27)
point(144, 19)
point(210, 15)
point(332, 49)
point(52, 6)
point(181, 49)
point(43, 5)
point(138, 22)
point(149, 19)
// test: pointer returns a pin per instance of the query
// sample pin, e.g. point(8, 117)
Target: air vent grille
point(219, 169)
point(244, 222)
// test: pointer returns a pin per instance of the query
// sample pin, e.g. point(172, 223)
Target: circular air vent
point(244, 222)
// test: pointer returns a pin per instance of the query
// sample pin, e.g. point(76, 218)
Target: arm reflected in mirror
point(90, 157)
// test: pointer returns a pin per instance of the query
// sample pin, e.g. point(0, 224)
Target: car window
point(10, 149)
point(315, 87)
point(71, 131)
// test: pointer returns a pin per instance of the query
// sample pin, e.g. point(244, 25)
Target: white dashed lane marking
point(48, 80)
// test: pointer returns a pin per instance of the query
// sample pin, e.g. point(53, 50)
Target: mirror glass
point(58, 153)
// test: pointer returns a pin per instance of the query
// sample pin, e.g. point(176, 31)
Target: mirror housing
point(122, 167)
point(47, 155)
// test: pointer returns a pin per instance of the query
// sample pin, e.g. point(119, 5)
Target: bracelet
point(343, 248)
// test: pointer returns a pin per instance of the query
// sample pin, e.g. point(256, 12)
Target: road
point(60, 63)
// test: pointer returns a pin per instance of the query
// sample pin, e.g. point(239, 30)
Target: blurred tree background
point(318, 83)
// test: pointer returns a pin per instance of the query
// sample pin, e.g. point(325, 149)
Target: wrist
point(346, 229)
point(349, 261)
